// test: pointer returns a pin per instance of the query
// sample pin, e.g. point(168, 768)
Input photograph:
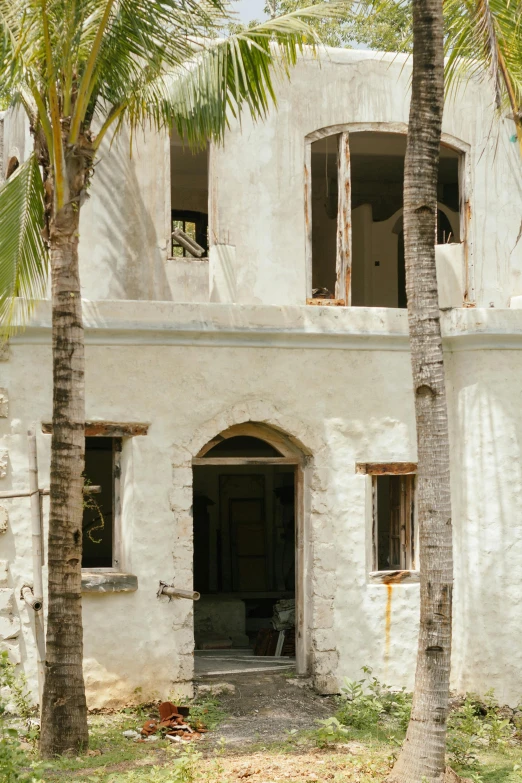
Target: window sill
point(393, 577)
point(107, 580)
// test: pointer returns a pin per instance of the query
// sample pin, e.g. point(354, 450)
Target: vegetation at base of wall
point(368, 705)
point(15, 764)
point(477, 727)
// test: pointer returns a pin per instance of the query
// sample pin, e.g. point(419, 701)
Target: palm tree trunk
point(64, 710)
point(423, 755)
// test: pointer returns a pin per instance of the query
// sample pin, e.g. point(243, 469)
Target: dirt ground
point(265, 708)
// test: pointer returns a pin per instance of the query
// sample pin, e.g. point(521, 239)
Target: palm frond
point(224, 76)
point(483, 40)
point(23, 255)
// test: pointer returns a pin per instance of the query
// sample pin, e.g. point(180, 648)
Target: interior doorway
point(245, 533)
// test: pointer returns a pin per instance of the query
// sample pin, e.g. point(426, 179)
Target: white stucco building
point(185, 353)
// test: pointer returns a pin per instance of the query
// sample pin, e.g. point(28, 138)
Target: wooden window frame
point(343, 294)
point(117, 445)
point(407, 471)
point(406, 525)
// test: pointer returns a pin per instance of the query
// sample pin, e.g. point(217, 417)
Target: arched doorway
point(246, 554)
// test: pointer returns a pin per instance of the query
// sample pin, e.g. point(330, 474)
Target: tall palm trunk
point(422, 756)
point(64, 710)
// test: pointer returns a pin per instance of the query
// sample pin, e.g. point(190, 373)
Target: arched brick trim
point(317, 553)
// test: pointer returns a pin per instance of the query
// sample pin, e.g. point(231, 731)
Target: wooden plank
point(375, 525)
point(357, 127)
point(107, 429)
point(108, 582)
point(308, 218)
point(343, 265)
point(394, 577)
point(326, 302)
point(385, 468)
point(117, 562)
point(246, 461)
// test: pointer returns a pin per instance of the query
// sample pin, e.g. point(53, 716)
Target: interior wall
point(188, 177)
point(376, 192)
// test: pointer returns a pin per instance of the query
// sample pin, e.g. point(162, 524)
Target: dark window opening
point(98, 513)
point(243, 446)
point(394, 522)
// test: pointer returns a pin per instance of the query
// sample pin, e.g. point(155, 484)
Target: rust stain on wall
point(387, 626)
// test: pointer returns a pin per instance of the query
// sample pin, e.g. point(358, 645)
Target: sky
point(249, 9)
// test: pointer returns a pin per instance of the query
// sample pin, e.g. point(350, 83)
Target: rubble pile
point(173, 724)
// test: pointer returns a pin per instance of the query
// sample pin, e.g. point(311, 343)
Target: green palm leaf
point(23, 255)
point(224, 76)
point(483, 39)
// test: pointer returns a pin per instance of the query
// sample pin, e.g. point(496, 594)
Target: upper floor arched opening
point(355, 244)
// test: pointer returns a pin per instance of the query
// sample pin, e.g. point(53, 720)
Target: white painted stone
point(7, 601)
point(4, 519)
point(4, 404)
point(13, 651)
point(325, 639)
point(9, 627)
point(4, 461)
point(4, 573)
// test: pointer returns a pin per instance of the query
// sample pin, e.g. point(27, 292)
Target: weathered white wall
point(257, 189)
point(256, 364)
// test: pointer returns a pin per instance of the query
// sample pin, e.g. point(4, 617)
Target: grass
point(358, 756)
point(356, 745)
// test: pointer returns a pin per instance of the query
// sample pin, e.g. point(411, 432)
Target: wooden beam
point(343, 266)
point(107, 429)
point(246, 461)
point(386, 468)
point(326, 302)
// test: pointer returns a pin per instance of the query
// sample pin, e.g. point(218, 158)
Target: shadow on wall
point(488, 549)
point(123, 225)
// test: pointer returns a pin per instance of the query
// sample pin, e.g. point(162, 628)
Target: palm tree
point(483, 38)
point(422, 757)
point(81, 69)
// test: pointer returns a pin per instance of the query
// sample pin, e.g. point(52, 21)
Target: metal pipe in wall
point(174, 592)
point(37, 592)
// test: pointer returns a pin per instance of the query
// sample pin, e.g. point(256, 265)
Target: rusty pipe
point(30, 599)
point(174, 592)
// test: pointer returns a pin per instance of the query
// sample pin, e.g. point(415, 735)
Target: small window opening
point(98, 513)
point(189, 195)
point(394, 522)
point(357, 229)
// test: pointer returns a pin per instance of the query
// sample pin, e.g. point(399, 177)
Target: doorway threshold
point(212, 663)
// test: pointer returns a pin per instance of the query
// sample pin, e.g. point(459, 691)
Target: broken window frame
point(117, 445)
point(406, 472)
point(200, 221)
point(344, 230)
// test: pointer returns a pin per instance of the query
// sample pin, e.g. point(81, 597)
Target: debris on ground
point(173, 724)
point(216, 689)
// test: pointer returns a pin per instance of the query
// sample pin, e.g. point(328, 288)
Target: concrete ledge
point(108, 582)
point(289, 326)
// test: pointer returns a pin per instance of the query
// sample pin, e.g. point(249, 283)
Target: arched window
point(12, 164)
